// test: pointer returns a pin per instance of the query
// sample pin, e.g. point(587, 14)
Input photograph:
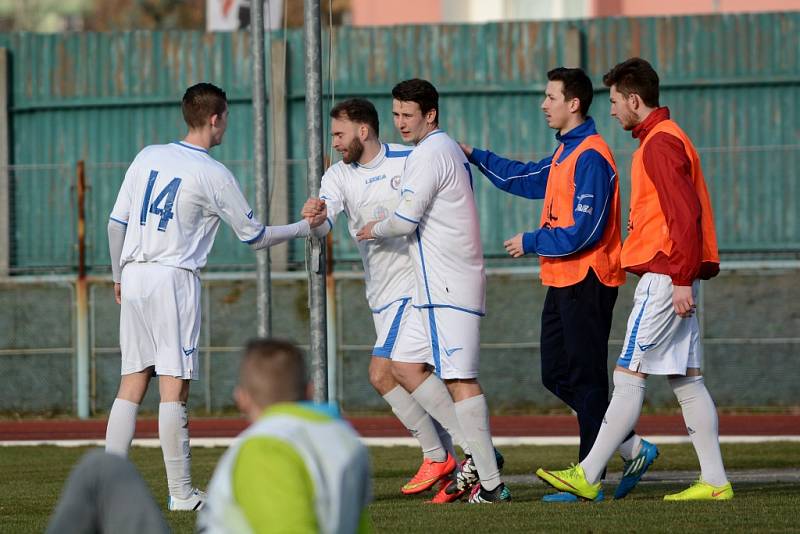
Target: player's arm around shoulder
point(273, 488)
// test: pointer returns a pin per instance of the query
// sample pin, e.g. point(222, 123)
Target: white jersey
point(366, 193)
point(172, 200)
point(436, 191)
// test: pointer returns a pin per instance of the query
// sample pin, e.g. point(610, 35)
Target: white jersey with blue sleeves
point(172, 200)
point(366, 193)
point(437, 195)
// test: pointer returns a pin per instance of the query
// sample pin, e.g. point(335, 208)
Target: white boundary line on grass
point(395, 442)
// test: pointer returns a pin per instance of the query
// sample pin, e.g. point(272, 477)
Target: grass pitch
point(32, 478)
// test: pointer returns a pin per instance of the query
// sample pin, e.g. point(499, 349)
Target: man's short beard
point(354, 151)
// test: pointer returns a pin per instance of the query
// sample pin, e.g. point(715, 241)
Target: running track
point(386, 426)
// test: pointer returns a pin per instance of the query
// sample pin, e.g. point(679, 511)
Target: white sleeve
point(275, 235)
point(419, 186)
point(229, 203)
point(116, 240)
point(331, 192)
point(122, 207)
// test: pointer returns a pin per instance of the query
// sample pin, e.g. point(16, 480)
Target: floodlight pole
point(263, 290)
point(315, 250)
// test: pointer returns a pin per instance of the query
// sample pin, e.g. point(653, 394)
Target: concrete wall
point(751, 324)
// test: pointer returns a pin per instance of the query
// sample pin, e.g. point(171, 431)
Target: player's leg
point(555, 376)
point(456, 346)
point(175, 312)
point(122, 417)
point(138, 359)
point(700, 416)
point(390, 324)
point(411, 362)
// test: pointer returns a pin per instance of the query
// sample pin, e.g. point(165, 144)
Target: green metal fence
point(732, 82)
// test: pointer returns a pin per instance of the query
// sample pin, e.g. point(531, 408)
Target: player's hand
point(466, 149)
point(682, 301)
point(514, 246)
point(365, 233)
point(312, 208)
point(118, 293)
point(317, 219)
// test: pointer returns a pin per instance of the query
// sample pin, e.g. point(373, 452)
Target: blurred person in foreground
point(298, 467)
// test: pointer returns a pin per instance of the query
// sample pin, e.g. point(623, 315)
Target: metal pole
point(82, 303)
point(316, 248)
point(263, 293)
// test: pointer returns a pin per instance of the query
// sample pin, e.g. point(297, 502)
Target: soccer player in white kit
point(438, 214)
point(364, 186)
point(160, 232)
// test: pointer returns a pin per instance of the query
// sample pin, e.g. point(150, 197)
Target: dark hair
point(200, 102)
point(420, 91)
point(635, 76)
point(576, 85)
point(357, 110)
point(273, 370)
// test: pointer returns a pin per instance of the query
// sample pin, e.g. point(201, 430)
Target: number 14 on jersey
point(167, 196)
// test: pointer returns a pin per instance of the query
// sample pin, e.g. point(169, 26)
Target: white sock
point(445, 438)
point(621, 416)
point(630, 448)
point(173, 433)
point(418, 422)
point(473, 414)
point(434, 397)
point(700, 415)
point(121, 427)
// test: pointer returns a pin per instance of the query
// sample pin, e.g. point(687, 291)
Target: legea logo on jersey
point(380, 213)
point(375, 179)
point(395, 183)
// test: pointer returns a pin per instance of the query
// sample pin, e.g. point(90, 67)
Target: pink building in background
point(396, 12)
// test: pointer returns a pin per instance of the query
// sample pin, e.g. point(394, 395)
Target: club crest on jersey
point(375, 179)
point(395, 182)
point(380, 213)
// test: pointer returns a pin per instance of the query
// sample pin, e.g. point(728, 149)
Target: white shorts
point(389, 320)
point(411, 343)
point(453, 338)
point(159, 320)
point(658, 341)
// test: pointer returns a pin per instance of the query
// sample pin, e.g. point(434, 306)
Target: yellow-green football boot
point(702, 491)
point(572, 480)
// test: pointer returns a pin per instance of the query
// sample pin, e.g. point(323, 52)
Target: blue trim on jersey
point(437, 360)
point(396, 153)
point(450, 306)
point(123, 223)
point(179, 143)
point(329, 221)
point(256, 238)
point(625, 359)
point(382, 308)
point(406, 218)
point(386, 350)
point(422, 259)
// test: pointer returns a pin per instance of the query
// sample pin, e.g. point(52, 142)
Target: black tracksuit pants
point(576, 322)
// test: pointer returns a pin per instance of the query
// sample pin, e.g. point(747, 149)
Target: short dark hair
point(200, 102)
point(576, 85)
point(273, 370)
point(420, 91)
point(357, 110)
point(635, 76)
